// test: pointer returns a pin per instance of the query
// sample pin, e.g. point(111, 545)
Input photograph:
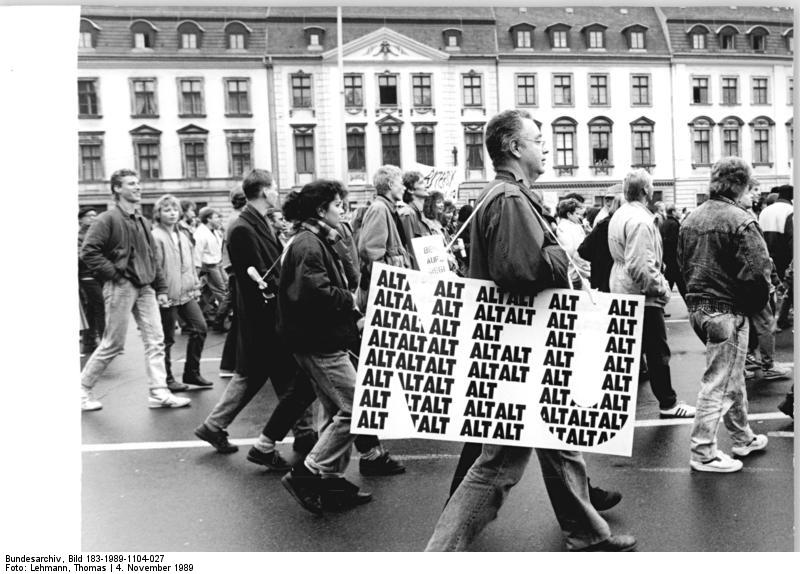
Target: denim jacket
point(635, 245)
point(723, 257)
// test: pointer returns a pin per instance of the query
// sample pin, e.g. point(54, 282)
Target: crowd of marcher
point(290, 283)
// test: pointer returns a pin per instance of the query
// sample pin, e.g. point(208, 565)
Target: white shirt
point(208, 245)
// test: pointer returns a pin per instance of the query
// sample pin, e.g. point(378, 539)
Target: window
point(473, 146)
point(144, 97)
point(637, 41)
point(727, 38)
point(559, 39)
point(421, 90)
point(301, 90)
point(237, 36)
point(144, 35)
point(564, 145)
point(598, 89)
point(758, 39)
point(600, 145)
point(760, 93)
point(304, 152)
point(237, 97)
point(240, 151)
point(526, 89)
point(88, 102)
point(314, 37)
point(189, 35)
point(353, 91)
point(423, 143)
point(356, 159)
point(387, 90)
point(147, 151)
point(636, 36)
point(730, 91)
point(87, 38)
point(642, 136)
point(90, 146)
point(699, 41)
point(701, 141)
point(562, 90)
point(193, 151)
point(452, 39)
point(390, 145)
point(700, 90)
point(761, 131)
point(596, 39)
point(731, 136)
point(640, 90)
point(473, 94)
point(522, 35)
point(789, 37)
point(191, 97)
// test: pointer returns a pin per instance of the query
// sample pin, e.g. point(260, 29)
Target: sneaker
point(614, 543)
point(751, 362)
point(225, 374)
point(749, 375)
point(341, 494)
point(164, 399)
point(680, 411)
point(720, 463)
point(272, 460)
point(759, 442)
point(384, 465)
point(88, 402)
point(776, 372)
point(304, 486)
point(217, 439)
point(603, 499)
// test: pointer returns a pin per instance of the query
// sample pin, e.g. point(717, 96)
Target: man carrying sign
point(510, 247)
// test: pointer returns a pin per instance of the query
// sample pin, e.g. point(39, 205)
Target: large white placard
point(448, 358)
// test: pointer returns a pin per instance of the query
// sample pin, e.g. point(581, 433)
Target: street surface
point(148, 484)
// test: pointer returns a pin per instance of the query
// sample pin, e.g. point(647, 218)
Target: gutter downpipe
point(273, 122)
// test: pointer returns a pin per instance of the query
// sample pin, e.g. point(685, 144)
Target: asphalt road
point(148, 484)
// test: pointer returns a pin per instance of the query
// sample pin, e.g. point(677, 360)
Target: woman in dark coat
point(594, 249)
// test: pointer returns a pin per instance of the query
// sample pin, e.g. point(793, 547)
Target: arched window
point(698, 37)
point(315, 36)
point(144, 35)
point(595, 36)
point(789, 37)
point(600, 144)
point(564, 145)
point(642, 130)
point(727, 37)
point(452, 38)
point(88, 34)
point(730, 130)
point(700, 128)
point(636, 36)
point(237, 36)
point(758, 38)
point(761, 132)
point(190, 35)
point(559, 35)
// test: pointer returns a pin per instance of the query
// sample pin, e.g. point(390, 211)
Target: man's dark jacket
point(670, 230)
point(595, 250)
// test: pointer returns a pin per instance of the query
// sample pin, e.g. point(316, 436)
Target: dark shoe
point(304, 443)
point(614, 543)
point(384, 465)
point(175, 386)
point(217, 439)
point(341, 494)
point(603, 499)
point(786, 406)
point(197, 380)
point(272, 460)
point(304, 488)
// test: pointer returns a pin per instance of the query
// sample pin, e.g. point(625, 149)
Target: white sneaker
point(88, 402)
point(759, 442)
point(680, 411)
point(721, 463)
point(162, 398)
point(225, 374)
point(776, 372)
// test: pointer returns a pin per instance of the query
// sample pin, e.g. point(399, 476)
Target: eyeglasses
point(540, 141)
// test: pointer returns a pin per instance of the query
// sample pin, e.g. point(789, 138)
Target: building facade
point(194, 97)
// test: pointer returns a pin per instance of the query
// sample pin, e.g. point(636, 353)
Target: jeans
point(215, 280)
point(787, 302)
point(762, 337)
point(91, 294)
point(334, 379)
point(285, 376)
point(477, 500)
point(123, 298)
point(656, 351)
point(195, 326)
point(722, 390)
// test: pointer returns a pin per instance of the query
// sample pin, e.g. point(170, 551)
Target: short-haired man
point(635, 245)
point(260, 353)
point(778, 235)
point(208, 248)
point(119, 250)
point(411, 217)
point(381, 237)
point(725, 264)
point(510, 246)
point(608, 200)
point(670, 229)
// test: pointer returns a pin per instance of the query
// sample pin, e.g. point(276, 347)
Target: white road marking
point(781, 434)
point(687, 470)
point(163, 445)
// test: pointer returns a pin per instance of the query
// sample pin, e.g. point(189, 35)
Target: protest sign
point(443, 179)
point(448, 358)
point(431, 254)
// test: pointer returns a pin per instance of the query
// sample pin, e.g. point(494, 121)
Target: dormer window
point(452, 39)
point(522, 35)
point(789, 36)
point(698, 36)
point(189, 35)
point(636, 36)
point(237, 35)
point(595, 35)
point(758, 38)
point(559, 36)
point(727, 37)
point(88, 34)
point(144, 35)
point(315, 36)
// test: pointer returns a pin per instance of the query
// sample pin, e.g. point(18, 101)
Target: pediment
point(386, 45)
point(145, 130)
point(389, 120)
point(192, 129)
